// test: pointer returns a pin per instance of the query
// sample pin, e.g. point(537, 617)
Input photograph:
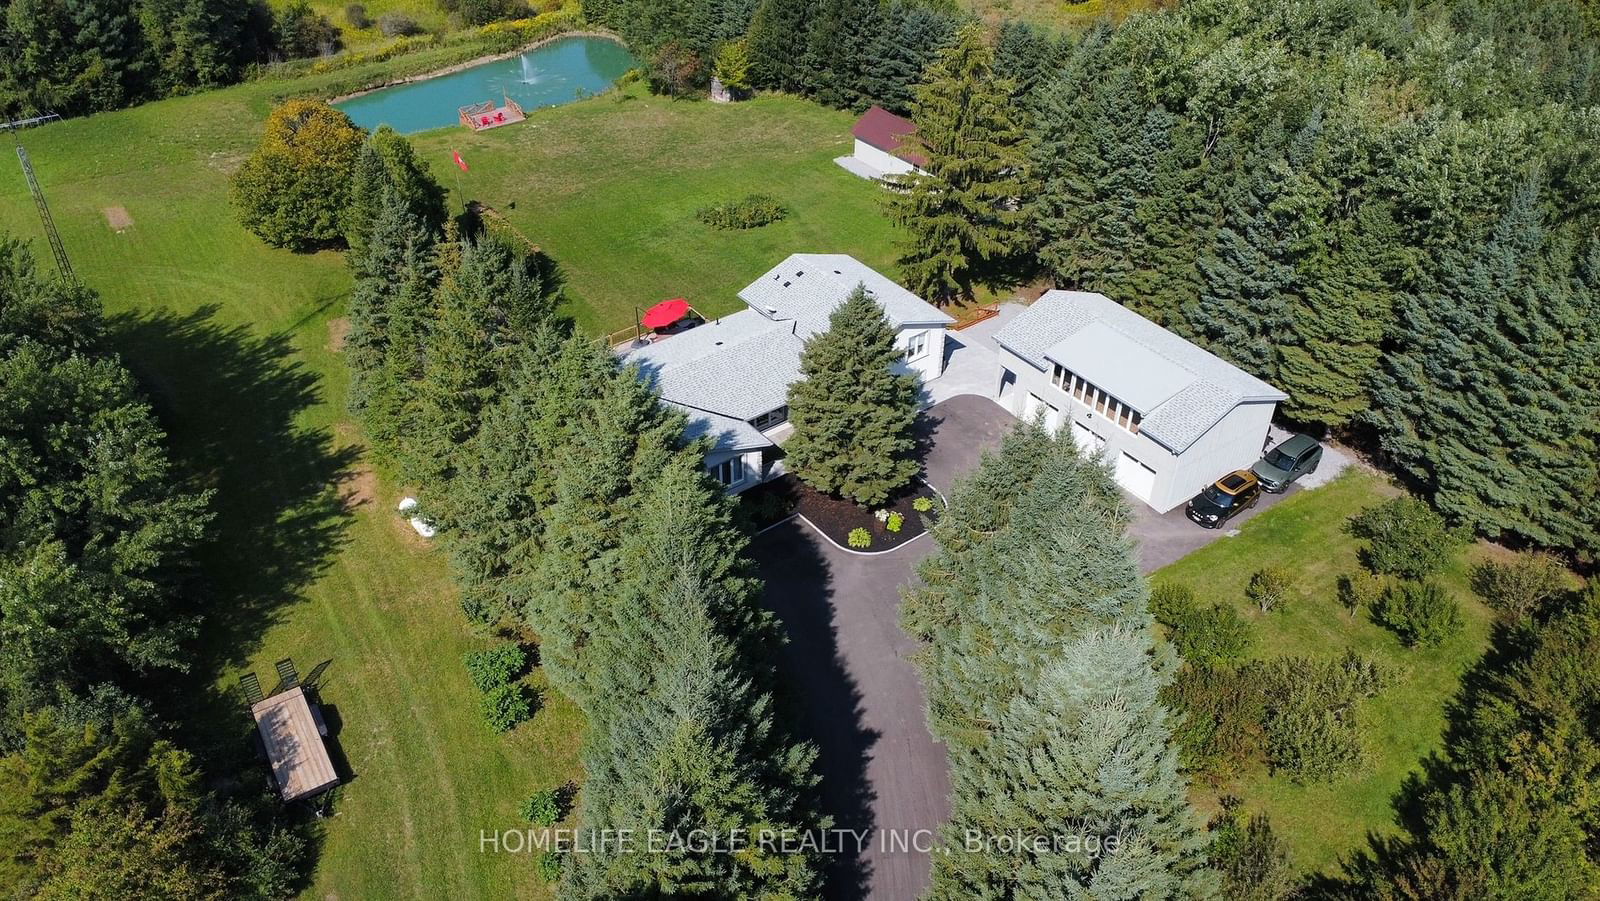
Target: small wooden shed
point(292, 732)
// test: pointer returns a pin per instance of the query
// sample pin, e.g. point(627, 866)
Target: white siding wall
point(1233, 443)
point(884, 162)
point(749, 463)
point(930, 363)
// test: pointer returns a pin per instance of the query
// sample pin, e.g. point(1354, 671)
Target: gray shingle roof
point(725, 432)
point(807, 287)
point(1189, 388)
point(732, 370)
point(739, 366)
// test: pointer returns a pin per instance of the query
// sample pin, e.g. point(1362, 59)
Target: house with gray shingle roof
point(1169, 416)
point(731, 376)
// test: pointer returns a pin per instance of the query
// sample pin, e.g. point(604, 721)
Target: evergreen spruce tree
point(963, 217)
point(622, 440)
point(387, 165)
point(504, 475)
point(908, 38)
point(853, 414)
point(838, 38)
point(685, 736)
point(395, 259)
point(1251, 283)
point(778, 45)
point(1044, 683)
point(490, 298)
point(1490, 395)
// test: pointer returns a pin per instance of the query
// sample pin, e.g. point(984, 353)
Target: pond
point(559, 72)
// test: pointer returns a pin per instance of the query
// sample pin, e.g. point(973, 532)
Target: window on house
point(728, 472)
point(1095, 399)
point(916, 345)
point(771, 419)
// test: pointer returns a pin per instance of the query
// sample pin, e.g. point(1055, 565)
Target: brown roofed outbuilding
point(889, 133)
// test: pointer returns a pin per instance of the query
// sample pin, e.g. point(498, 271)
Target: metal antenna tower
point(63, 265)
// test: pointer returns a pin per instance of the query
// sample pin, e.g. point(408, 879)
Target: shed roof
point(300, 761)
point(1180, 389)
point(889, 133)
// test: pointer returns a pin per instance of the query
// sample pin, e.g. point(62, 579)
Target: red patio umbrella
point(665, 313)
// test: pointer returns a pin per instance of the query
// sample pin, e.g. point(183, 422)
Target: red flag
point(459, 161)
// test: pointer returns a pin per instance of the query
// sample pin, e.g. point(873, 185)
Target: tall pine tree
point(853, 413)
point(1044, 682)
point(963, 218)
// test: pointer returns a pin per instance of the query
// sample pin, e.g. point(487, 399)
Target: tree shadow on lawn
point(822, 696)
point(232, 402)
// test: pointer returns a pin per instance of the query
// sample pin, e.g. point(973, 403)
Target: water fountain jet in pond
point(530, 73)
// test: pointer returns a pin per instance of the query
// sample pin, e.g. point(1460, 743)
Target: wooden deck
point(484, 116)
point(292, 734)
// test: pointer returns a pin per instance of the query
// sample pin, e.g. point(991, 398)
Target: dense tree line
point(572, 503)
point(97, 599)
point(1388, 211)
point(1044, 681)
point(74, 58)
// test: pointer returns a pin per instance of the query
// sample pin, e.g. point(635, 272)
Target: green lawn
point(1306, 534)
point(610, 188)
point(234, 341)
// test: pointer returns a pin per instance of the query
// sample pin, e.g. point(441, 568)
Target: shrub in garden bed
point(753, 211)
point(860, 538)
point(544, 808)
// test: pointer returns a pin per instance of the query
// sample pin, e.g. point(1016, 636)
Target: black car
point(1298, 455)
point(1232, 494)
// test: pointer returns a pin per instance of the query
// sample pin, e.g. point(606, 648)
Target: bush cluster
point(505, 701)
point(545, 808)
point(753, 211)
point(1213, 636)
point(493, 667)
point(506, 706)
point(1298, 715)
point(1523, 587)
point(1421, 613)
point(1405, 538)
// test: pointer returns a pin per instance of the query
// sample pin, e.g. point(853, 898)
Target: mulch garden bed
point(836, 517)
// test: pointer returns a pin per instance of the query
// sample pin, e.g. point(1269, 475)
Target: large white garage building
point(1168, 415)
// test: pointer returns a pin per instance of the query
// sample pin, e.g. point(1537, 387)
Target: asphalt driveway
point(861, 701)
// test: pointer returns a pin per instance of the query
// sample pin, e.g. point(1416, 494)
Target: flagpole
point(461, 193)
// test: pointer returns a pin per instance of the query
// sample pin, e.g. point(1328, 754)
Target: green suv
point(1295, 457)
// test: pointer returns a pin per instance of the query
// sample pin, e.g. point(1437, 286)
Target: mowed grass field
point(610, 188)
point(1404, 725)
point(237, 343)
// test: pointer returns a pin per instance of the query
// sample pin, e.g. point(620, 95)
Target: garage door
point(1139, 479)
point(1088, 441)
point(1032, 407)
